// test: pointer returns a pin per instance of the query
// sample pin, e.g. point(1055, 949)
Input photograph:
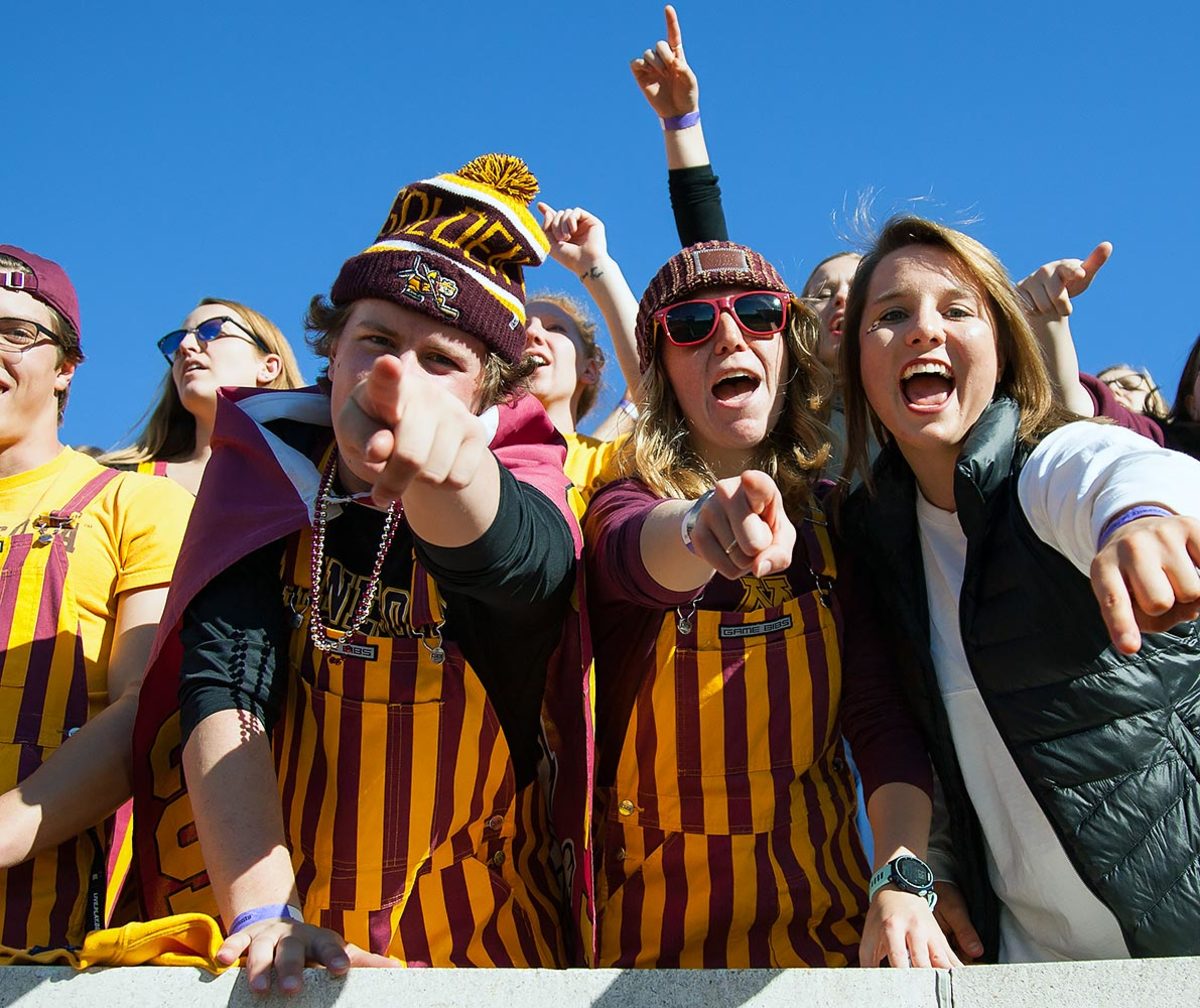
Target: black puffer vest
point(1109, 744)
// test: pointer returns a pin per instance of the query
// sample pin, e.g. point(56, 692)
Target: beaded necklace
point(316, 625)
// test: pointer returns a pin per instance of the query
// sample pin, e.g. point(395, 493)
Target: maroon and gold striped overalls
point(47, 692)
point(728, 836)
point(408, 835)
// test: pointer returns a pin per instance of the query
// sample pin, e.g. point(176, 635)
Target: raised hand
point(577, 238)
point(400, 425)
point(1146, 579)
point(1048, 290)
point(664, 76)
point(742, 528)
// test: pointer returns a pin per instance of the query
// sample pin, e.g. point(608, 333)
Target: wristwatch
point(908, 874)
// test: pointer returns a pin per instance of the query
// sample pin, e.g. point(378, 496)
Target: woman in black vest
point(1064, 731)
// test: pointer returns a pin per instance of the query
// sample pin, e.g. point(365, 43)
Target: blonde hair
point(585, 325)
point(170, 432)
point(661, 454)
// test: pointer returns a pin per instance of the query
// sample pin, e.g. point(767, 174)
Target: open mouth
point(927, 384)
point(735, 387)
point(539, 360)
point(835, 325)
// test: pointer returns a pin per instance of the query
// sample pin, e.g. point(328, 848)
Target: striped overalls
point(46, 694)
point(408, 835)
point(727, 837)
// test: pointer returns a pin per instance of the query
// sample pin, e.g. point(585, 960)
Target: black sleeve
point(525, 559)
point(235, 639)
point(696, 201)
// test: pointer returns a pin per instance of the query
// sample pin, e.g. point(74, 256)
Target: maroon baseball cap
point(48, 283)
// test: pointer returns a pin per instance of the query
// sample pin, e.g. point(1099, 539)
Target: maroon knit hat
point(454, 247)
point(707, 264)
point(47, 281)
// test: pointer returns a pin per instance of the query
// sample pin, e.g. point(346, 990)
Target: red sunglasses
point(757, 313)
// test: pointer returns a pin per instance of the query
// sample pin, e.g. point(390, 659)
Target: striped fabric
point(728, 834)
point(396, 783)
point(54, 898)
point(480, 881)
point(153, 467)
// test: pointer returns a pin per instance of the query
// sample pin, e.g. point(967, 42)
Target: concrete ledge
point(1164, 983)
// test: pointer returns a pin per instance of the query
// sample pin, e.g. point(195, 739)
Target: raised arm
point(1047, 294)
point(673, 92)
point(578, 242)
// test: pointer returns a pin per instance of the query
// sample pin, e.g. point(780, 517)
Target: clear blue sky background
point(167, 151)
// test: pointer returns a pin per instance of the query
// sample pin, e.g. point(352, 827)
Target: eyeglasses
point(18, 335)
point(690, 323)
point(1132, 383)
point(206, 332)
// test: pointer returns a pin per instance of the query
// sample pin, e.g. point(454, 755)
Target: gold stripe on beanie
point(455, 247)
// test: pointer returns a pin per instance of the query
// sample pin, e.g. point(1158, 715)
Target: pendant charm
point(297, 619)
point(45, 536)
point(437, 655)
point(684, 624)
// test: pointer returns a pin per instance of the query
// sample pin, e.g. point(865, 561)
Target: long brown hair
point(661, 454)
point(1187, 384)
point(1023, 376)
point(170, 432)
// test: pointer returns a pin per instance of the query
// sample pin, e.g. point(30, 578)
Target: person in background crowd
point(732, 646)
point(428, 558)
point(220, 343)
point(1058, 707)
point(87, 554)
point(1135, 389)
point(562, 339)
point(1181, 428)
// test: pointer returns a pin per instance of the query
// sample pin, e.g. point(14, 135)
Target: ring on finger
point(731, 547)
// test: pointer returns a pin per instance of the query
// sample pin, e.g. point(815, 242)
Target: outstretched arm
point(579, 243)
point(1047, 294)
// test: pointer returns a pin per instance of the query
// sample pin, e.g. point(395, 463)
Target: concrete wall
point(1160, 983)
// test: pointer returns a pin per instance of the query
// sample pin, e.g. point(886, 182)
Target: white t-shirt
point(1075, 481)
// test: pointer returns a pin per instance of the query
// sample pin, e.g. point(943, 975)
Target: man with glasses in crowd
point(86, 555)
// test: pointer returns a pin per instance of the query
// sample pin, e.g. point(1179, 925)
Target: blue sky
point(165, 152)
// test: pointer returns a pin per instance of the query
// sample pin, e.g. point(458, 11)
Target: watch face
point(913, 872)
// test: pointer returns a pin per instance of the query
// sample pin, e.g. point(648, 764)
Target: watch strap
point(887, 875)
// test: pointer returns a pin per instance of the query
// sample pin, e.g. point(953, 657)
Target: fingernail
point(260, 983)
point(290, 984)
point(339, 962)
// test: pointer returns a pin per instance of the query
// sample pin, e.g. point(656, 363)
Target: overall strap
point(85, 496)
point(426, 607)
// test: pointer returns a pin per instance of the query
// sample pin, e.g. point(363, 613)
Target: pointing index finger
point(674, 33)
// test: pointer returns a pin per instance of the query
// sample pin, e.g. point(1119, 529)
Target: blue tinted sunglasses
point(206, 332)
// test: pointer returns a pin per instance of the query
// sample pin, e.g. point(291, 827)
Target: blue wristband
point(272, 911)
point(682, 121)
point(1133, 514)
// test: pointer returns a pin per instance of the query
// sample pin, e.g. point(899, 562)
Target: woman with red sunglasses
point(725, 672)
point(220, 343)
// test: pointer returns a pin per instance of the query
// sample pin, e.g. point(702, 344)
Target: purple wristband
point(272, 911)
point(1125, 517)
point(681, 122)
